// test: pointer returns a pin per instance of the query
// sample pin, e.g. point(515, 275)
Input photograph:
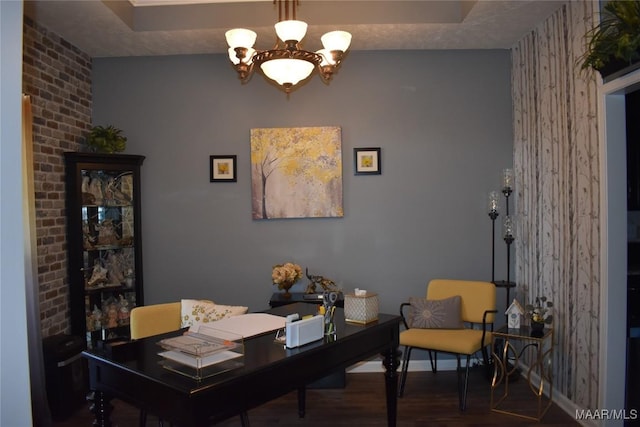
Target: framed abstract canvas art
point(296, 172)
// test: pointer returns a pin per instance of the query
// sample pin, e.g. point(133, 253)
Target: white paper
point(245, 325)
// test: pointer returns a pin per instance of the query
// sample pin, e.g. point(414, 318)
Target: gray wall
point(442, 119)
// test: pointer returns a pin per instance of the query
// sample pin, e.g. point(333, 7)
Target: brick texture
point(57, 76)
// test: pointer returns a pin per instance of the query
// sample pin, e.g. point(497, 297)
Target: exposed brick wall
point(57, 76)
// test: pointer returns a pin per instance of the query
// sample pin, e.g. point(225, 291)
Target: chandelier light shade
point(287, 63)
point(291, 30)
point(240, 37)
point(287, 71)
point(336, 40)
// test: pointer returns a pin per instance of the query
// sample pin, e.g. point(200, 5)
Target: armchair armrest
point(404, 319)
point(484, 317)
point(484, 323)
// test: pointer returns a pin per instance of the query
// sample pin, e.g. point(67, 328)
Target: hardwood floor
point(429, 400)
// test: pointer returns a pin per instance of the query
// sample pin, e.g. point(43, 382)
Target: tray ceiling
point(157, 27)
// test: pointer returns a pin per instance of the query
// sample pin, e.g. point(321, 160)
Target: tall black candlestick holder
point(493, 214)
point(508, 239)
point(507, 192)
point(507, 236)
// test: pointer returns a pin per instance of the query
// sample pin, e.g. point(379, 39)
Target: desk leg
point(302, 396)
point(391, 363)
point(244, 419)
point(101, 408)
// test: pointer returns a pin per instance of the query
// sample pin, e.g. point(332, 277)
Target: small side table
point(520, 350)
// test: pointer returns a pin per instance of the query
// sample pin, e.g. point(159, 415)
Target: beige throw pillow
point(200, 312)
point(435, 314)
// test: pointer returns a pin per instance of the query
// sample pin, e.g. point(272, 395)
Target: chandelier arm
point(325, 72)
point(244, 67)
point(331, 65)
point(244, 72)
point(276, 45)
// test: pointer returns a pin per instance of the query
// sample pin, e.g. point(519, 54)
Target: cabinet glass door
point(108, 230)
point(104, 245)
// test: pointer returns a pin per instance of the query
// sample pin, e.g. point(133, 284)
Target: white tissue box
point(361, 309)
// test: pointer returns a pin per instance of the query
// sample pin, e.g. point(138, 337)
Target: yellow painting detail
point(366, 161)
point(296, 172)
point(223, 168)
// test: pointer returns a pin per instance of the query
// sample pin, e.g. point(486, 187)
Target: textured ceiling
point(157, 27)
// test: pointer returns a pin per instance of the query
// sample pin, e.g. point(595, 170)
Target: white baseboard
point(572, 409)
point(563, 402)
point(414, 366)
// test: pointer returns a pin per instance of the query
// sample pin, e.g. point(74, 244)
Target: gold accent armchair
point(477, 310)
point(155, 319)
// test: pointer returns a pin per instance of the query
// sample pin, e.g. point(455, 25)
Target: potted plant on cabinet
point(614, 44)
point(106, 140)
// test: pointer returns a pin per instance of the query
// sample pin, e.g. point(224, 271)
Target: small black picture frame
point(367, 161)
point(223, 168)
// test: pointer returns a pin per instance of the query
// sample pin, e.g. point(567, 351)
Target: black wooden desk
point(270, 371)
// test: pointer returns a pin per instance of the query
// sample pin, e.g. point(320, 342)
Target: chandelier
point(287, 63)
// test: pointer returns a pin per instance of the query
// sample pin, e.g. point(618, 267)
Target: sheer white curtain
point(40, 408)
point(556, 161)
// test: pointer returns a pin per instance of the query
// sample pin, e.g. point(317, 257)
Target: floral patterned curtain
point(556, 164)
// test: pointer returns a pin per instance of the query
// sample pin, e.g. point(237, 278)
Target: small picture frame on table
point(367, 161)
point(222, 168)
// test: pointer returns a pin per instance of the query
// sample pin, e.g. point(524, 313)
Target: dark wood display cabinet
point(104, 243)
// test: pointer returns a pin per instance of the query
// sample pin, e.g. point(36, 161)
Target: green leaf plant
point(106, 140)
point(616, 37)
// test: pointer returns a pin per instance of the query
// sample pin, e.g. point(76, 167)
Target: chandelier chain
point(280, 3)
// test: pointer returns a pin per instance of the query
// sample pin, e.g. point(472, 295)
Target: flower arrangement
point(285, 275)
point(540, 311)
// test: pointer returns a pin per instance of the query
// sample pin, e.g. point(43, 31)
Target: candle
point(507, 178)
point(493, 201)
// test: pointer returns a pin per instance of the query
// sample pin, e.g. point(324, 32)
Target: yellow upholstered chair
point(473, 333)
point(155, 319)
